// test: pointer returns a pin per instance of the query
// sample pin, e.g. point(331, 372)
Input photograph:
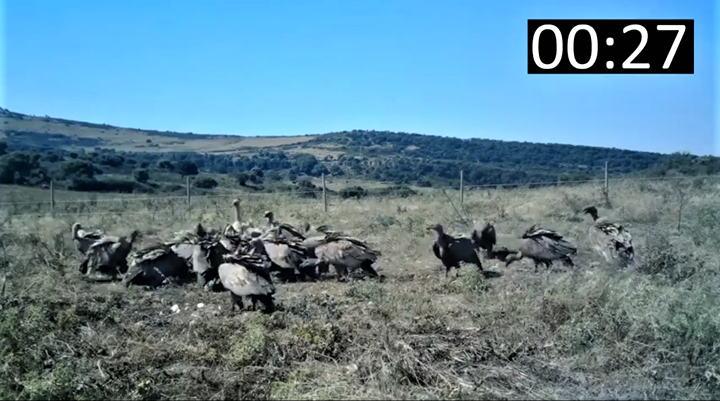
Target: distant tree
point(22, 169)
point(112, 160)
point(144, 165)
point(257, 171)
point(242, 179)
point(205, 183)
point(353, 192)
point(304, 162)
point(51, 157)
point(318, 170)
point(165, 165)
point(3, 148)
point(336, 170)
point(273, 175)
point(306, 188)
point(73, 155)
point(78, 169)
point(256, 175)
point(186, 167)
point(141, 175)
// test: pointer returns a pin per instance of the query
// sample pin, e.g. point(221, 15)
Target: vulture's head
point(592, 211)
point(512, 257)
point(436, 229)
point(135, 235)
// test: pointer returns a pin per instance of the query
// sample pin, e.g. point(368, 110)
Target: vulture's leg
point(91, 268)
point(266, 303)
point(200, 279)
point(340, 272)
point(84, 264)
point(477, 261)
point(236, 300)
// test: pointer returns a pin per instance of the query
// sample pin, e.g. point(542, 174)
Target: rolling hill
point(392, 157)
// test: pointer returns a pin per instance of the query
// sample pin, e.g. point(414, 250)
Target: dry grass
point(132, 140)
point(587, 333)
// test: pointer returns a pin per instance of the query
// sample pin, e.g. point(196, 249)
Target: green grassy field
point(591, 332)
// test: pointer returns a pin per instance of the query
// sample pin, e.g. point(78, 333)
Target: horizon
point(374, 70)
point(327, 133)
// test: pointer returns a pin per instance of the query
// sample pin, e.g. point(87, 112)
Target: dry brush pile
point(588, 332)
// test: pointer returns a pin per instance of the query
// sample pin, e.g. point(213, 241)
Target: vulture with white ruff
point(610, 240)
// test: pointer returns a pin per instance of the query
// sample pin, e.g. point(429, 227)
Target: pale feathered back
point(245, 275)
point(345, 253)
point(543, 247)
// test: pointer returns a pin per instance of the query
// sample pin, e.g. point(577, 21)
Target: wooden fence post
point(52, 198)
point(606, 188)
point(462, 187)
point(187, 194)
point(324, 193)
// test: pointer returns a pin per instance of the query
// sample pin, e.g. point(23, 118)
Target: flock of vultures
point(247, 260)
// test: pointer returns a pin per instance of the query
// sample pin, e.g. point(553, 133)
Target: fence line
point(116, 213)
point(323, 191)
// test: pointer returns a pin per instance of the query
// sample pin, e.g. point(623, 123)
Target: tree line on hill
point(399, 159)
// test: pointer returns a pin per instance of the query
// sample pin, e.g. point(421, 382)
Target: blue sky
point(451, 67)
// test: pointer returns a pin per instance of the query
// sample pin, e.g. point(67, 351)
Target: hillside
point(381, 156)
point(74, 135)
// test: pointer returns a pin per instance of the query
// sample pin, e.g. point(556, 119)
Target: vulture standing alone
point(451, 251)
point(543, 247)
point(611, 240)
